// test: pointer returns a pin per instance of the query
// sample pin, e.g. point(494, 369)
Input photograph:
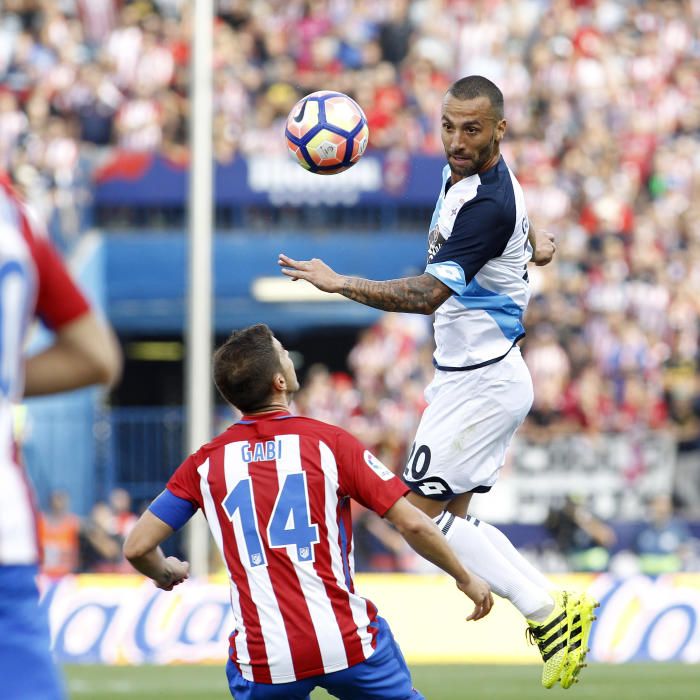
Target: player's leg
point(476, 552)
point(384, 676)
point(460, 507)
point(506, 548)
point(243, 689)
point(460, 446)
point(549, 615)
point(462, 440)
point(27, 669)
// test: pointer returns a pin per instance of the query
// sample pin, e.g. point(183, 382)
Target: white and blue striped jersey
point(478, 247)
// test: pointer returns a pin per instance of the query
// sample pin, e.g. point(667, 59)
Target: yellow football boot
point(578, 638)
point(552, 636)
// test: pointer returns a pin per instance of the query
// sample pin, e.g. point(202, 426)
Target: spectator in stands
point(583, 538)
point(123, 518)
point(683, 391)
point(59, 531)
point(665, 544)
point(100, 545)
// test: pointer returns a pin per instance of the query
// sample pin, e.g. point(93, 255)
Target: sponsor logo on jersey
point(382, 471)
point(435, 241)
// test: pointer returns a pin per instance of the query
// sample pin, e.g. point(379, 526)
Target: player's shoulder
point(19, 221)
point(497, 179)
point(490, 195)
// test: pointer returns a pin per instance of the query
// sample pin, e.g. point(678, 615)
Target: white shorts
point(464, 432)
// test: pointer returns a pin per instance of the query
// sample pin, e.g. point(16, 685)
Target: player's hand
point(314, 271)
point(545, 247)
point(176, 572)
point(478, 590)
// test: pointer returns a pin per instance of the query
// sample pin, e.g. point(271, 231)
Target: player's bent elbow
point(108, 370)
point(135, 547)
point(432, 307)
point(109, 364)
point(93, 350)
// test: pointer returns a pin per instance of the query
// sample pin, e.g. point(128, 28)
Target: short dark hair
point(244, 367)
point(477, 86)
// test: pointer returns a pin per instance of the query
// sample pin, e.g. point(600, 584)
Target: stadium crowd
point(72, 544)
point(603, 108)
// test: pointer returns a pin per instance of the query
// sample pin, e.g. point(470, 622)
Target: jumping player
point(476, 283)
point(276, 489)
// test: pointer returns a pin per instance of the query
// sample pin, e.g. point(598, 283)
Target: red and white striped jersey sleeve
point(185, 482)
point(59, 301)
point(364, 477)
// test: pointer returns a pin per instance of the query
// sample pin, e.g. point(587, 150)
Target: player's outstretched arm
point(84, 352)
point(421, 295)
point(424, 537)
point(145, 555)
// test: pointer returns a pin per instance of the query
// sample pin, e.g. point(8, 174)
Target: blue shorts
point(384, 676)
point(27, 670)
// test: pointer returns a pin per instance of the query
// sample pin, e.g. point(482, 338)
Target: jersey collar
point(272, 415)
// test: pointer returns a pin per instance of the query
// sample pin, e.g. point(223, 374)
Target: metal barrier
point(140, 448)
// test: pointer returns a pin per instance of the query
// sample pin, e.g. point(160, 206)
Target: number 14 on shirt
point(290, 523)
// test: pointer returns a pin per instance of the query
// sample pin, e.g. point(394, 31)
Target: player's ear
point(279, 382)
point(501, 129)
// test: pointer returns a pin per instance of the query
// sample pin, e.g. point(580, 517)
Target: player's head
point(252, 368)
point(59, 502)
point(472, 125)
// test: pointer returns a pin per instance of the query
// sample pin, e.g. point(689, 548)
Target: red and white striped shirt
point(275, 490)
point(33, 282)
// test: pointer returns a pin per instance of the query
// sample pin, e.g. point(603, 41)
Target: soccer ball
point(326, 132)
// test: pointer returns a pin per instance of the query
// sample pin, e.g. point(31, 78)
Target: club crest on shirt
point(382, 471)
point(435, 241)
point(304, 553)
point(256, 559)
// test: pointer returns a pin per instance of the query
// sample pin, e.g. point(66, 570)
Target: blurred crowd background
point(603, 109)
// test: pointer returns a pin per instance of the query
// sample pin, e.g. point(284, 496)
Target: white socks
point(506, 548)
point(487, 552)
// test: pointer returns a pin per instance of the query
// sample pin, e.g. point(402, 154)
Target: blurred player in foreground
point(34, 284)
point(276, 489)
point(476, 283)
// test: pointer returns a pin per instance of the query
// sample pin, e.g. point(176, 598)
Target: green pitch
point(599, 682)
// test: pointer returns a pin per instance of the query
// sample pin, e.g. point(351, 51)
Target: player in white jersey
point(34, 284)
point(476, 283)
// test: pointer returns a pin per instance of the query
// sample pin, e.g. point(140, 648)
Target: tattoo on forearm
point(420, 295)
